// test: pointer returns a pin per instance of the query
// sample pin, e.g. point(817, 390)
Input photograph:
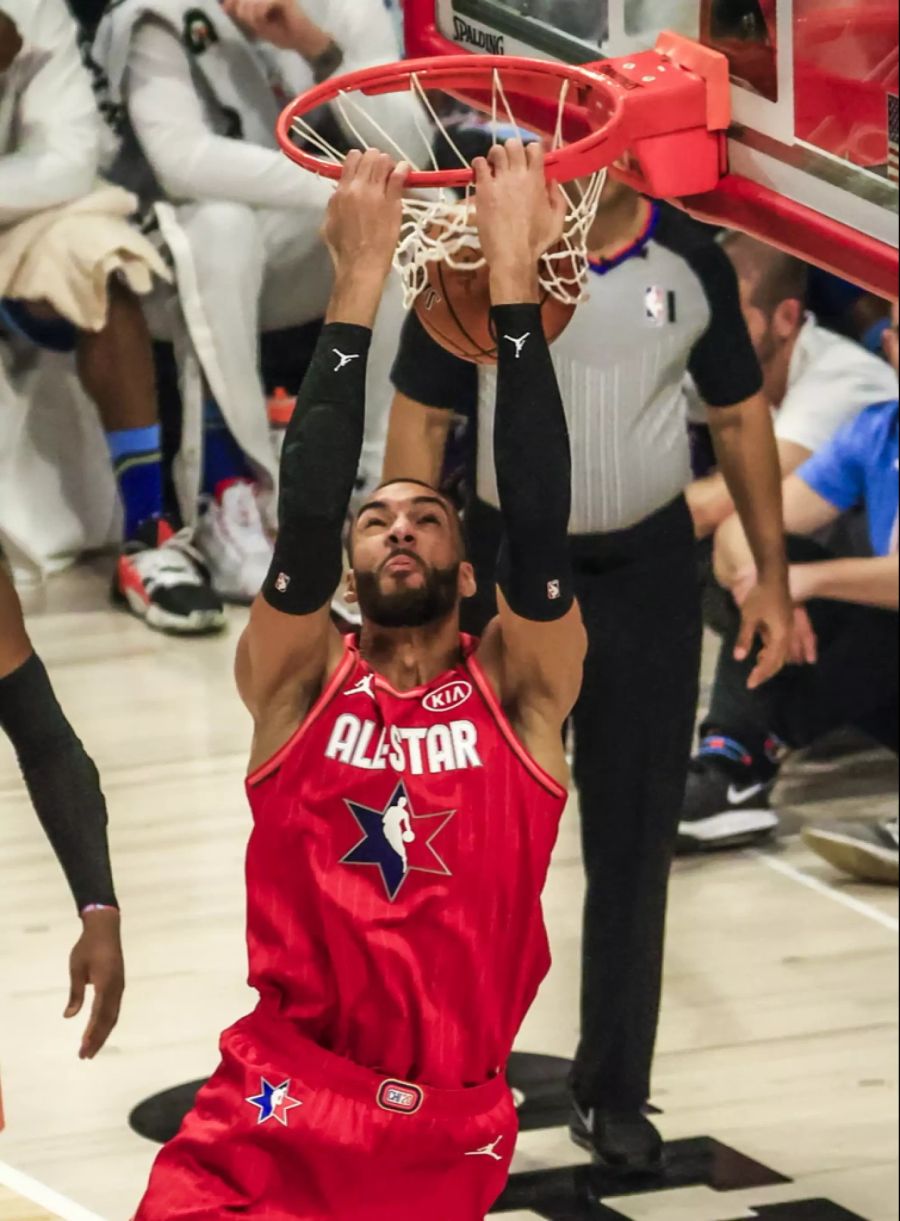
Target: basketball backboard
point(812, 151)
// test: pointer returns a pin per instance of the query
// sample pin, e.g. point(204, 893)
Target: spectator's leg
point(115, 366)
point(855, 682)
point(633, 728)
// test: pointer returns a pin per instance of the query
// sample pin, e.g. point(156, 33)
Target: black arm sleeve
point(319, 464)
point(62, 780)
point(723, 363)
point(429, 374)
point(534, 470)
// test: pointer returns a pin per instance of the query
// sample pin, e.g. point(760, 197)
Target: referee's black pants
point(640, 596)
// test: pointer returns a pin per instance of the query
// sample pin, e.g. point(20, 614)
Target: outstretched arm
point(290, 644)
point(539, 644)
point(65, 791)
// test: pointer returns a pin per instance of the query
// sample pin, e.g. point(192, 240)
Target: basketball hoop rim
point(460, 72)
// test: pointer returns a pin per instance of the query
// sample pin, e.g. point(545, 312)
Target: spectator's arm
point(711, 503)
point(417, 441)
point(805, 512)
point(190, 160)
point(866, 581)
point(749, 462)
point(57, 155)
point(431, 385)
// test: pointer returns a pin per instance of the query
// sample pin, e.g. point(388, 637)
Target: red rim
point(597, 98)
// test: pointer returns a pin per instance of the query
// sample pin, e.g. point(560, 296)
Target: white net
point(439, 226)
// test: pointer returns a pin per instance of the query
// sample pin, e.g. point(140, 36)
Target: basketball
point(455, 310)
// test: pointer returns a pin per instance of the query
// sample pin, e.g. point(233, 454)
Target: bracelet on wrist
point(97, 907)
point(326, 64)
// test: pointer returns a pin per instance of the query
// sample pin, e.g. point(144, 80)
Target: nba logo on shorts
point(400, 1097)
point(282, 582)
point(554, 591)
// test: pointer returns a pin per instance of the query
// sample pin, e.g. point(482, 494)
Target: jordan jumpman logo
point(488, 1151)
point(364, 687)
point(345, 360)
point(520, 343)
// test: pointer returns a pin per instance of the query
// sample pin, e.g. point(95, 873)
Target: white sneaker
point(233, 539)
point(161, 579)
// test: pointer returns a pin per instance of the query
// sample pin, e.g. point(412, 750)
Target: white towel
point(65, 256)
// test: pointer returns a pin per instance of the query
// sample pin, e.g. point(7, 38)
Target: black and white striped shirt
point(672, 308)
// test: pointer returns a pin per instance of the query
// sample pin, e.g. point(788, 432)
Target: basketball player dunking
point(406, 786)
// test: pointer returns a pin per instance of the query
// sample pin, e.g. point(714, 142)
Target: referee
point(664, 302)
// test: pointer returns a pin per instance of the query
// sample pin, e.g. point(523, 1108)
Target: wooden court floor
point(779, 1036)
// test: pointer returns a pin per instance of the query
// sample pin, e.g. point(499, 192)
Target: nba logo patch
point(282, 582)
point(400, 1097)
point(659, 306)
point(554, 591)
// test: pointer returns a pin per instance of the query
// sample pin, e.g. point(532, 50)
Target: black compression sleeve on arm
point(534, 470)
point(319, 465)
point(62, 780)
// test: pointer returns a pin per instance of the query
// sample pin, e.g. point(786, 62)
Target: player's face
point(10, 42)
point(408, 569)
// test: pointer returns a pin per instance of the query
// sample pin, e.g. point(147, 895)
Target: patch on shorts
point(274, 1102)
point(401, 1097)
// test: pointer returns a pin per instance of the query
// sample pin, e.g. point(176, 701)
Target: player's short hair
point(774, 275)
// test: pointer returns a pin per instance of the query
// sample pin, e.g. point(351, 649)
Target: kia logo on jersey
point(446, 698)
point(400, 1097)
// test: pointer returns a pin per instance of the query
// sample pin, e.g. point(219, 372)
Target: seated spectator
point(845, 650)
point(71, 269)
point(202, 89)
point(815, 379)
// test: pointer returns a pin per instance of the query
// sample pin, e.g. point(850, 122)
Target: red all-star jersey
point(395, 871)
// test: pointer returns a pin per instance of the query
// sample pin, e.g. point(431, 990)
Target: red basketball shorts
point(288, 1132)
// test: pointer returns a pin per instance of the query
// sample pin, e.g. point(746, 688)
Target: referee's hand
point(767, 614)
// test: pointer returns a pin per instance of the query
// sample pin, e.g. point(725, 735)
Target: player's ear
point(788, 318)
point(468, 586)
point(350, 593)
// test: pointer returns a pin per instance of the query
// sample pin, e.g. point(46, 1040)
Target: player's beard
point(405, 607)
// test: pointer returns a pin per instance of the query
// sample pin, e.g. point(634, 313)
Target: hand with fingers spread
point(520, 214)
point(96, 961)
point(362, 226)
point(283, 23)
point(767, 613)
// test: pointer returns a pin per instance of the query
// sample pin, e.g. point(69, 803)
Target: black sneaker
point(161, 579)
point(728, 800)
point(625, 1142)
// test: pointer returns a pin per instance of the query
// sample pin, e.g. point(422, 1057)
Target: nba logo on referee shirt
point(400, 1097)
point(659, 306)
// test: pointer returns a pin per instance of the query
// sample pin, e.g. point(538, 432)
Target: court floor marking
point(36, 1193)
point(829, 892)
